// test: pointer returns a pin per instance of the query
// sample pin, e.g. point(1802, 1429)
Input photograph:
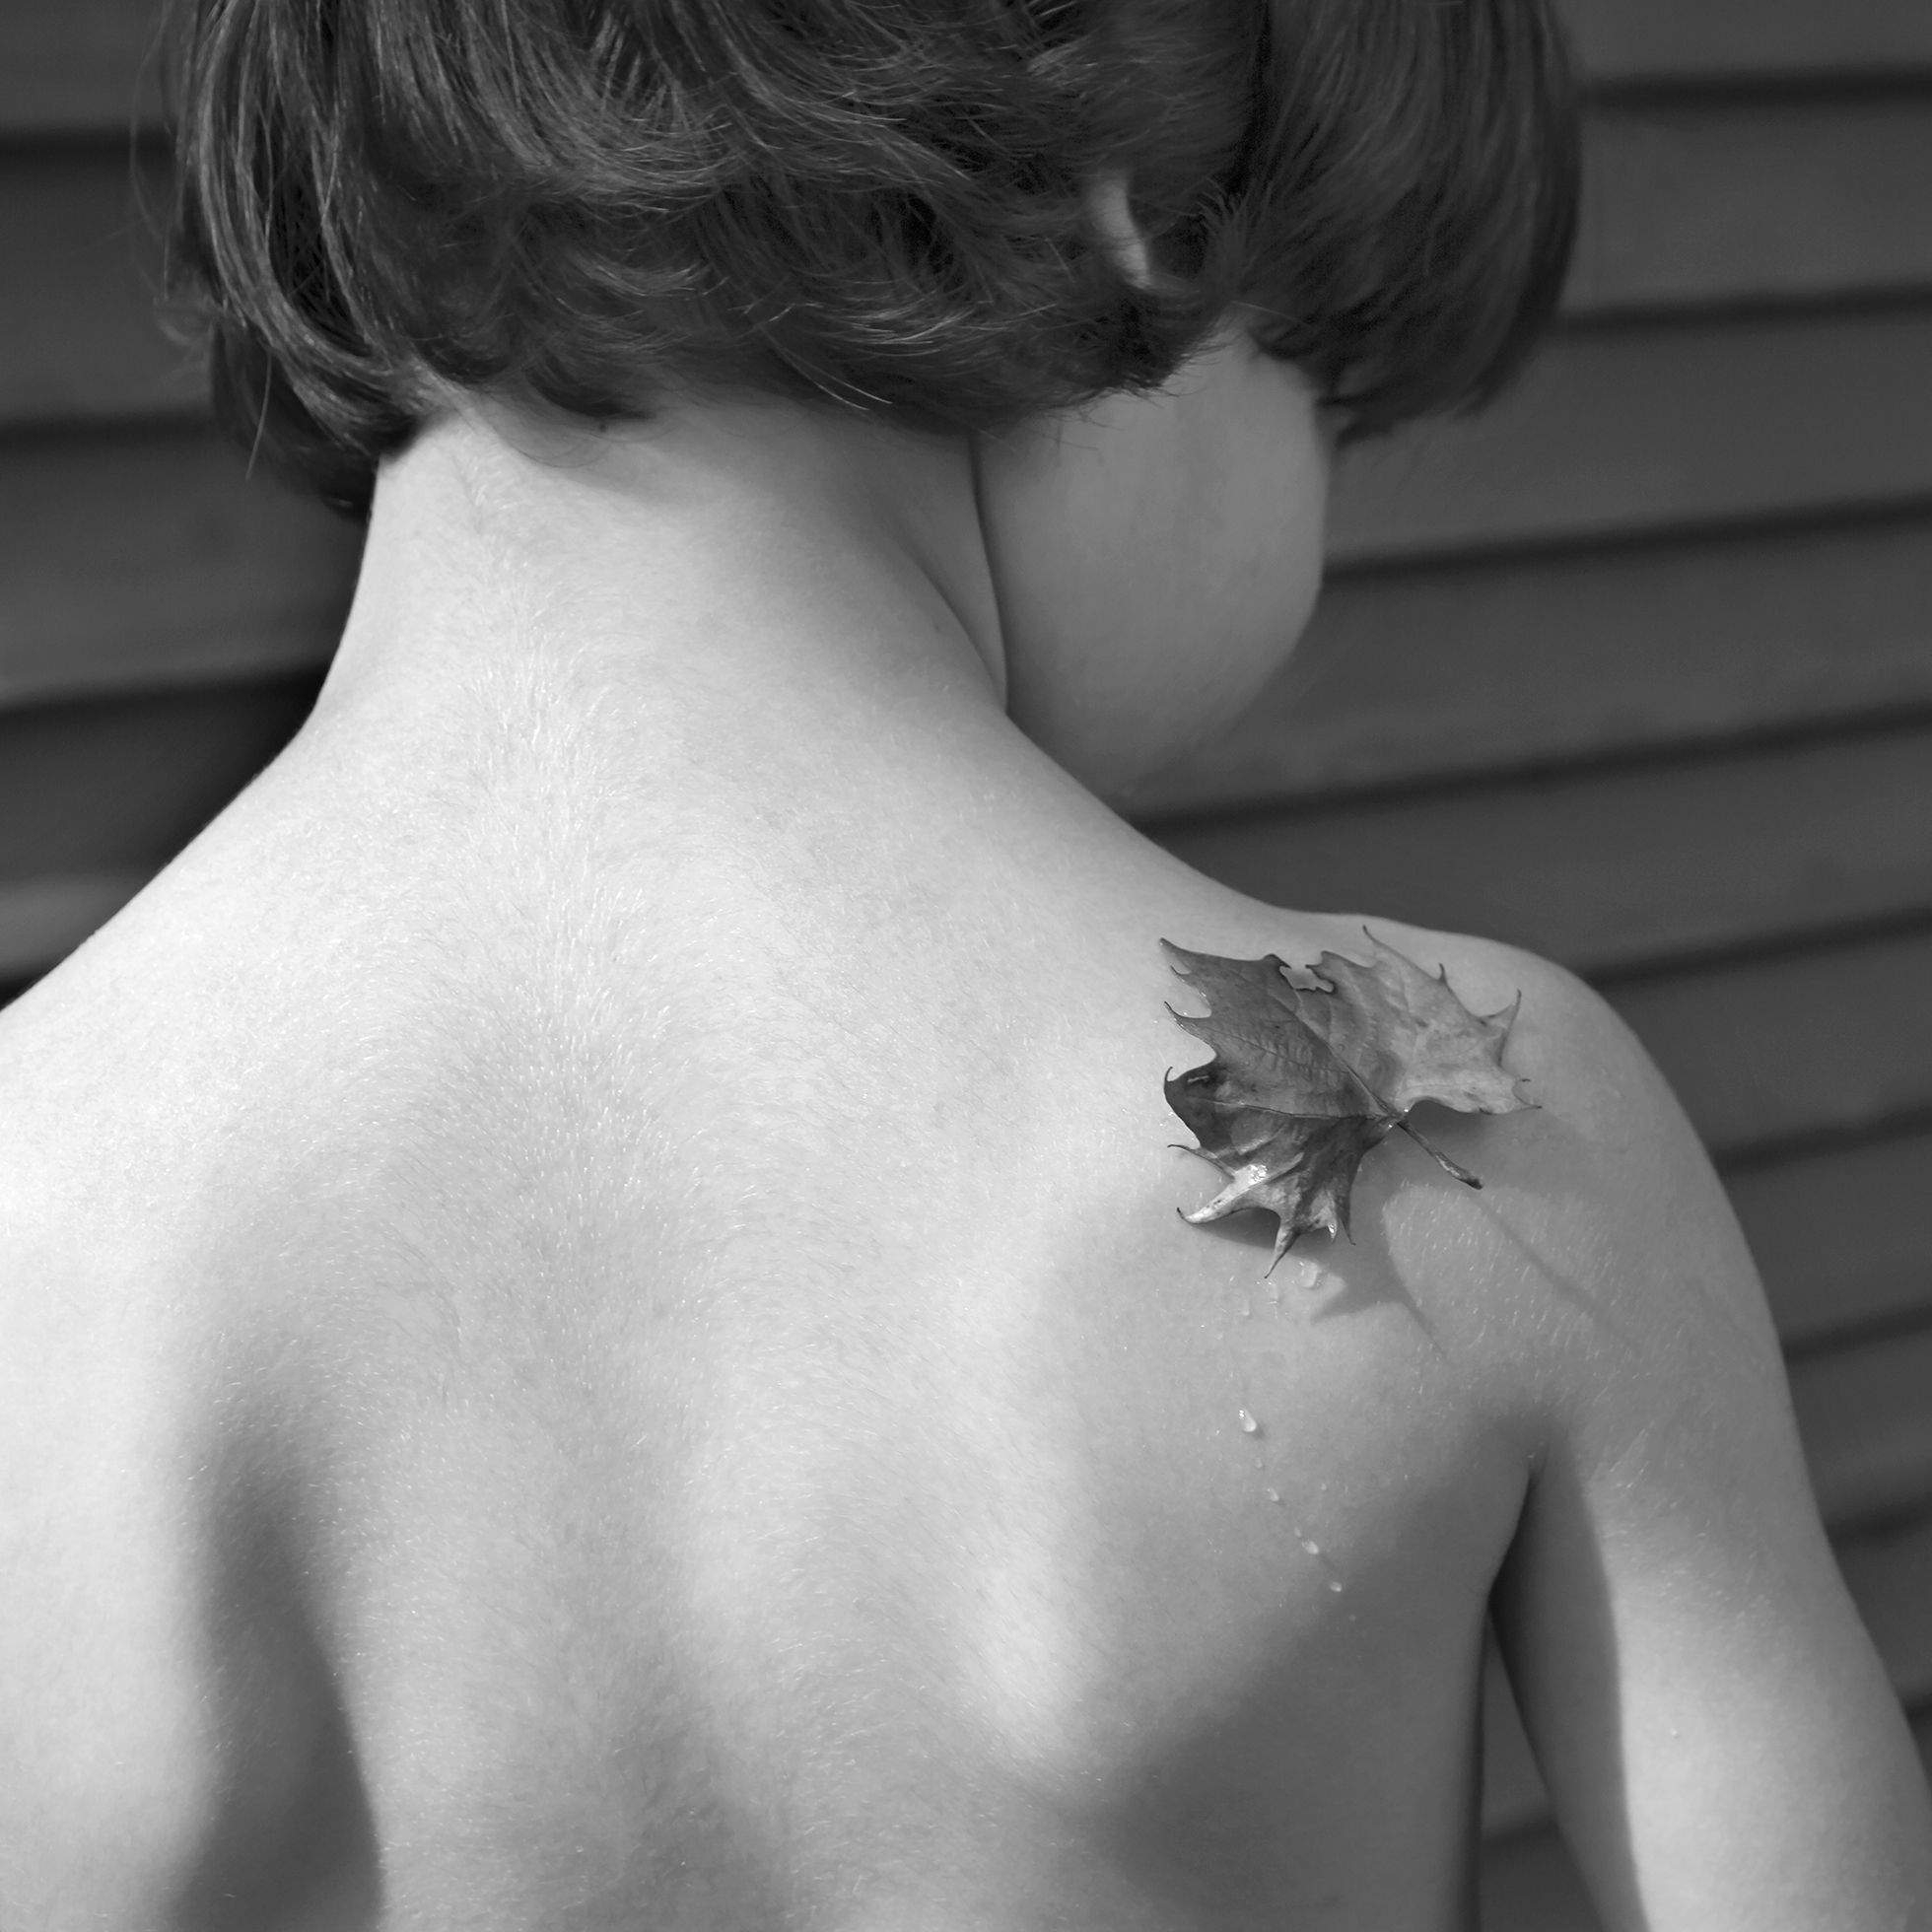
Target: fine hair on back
point(594, 205)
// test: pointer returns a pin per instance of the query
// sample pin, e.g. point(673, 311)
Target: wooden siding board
point(1754, 202)
point(84, 64)
point(1842, 1237)
point(1889, 1578)
point(1618, 868)
point(1431, 673)
point(1683, 40)
point(1634, 430)
point(69, 66)
point(1530, 1884)
point(42, 919)
point(1866, 1418)
point(1768, 1050)
point(80, 332)
point(120, 784)
point(149, 558)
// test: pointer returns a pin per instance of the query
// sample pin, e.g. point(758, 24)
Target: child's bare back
point(594, 1328)
point(732, 1440)
point(672, 1389)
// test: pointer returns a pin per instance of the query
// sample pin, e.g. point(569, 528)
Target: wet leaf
point(1307, 1078)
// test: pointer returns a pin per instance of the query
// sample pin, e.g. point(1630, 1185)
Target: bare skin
point(594, 1331)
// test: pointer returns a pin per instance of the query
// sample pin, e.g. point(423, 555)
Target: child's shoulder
point(1602, 1252)
point(1600, 1234)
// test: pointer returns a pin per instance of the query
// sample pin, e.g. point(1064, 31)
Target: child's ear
point(1111, 208)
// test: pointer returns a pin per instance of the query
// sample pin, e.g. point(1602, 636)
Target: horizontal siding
point(1683, 42)
point(44, 916)
point(1621, 432)
point(147, 557)
point(1615, 868)
point(1865, 1413)
point(1842, 1234)
point(70, 66)
point(86, 64)
point(1636, 648)
point(125, 782)
point(1890, 1575)
point(1771, 1050)
point(1761, 237)
point(1754, 202)
point(80, 234)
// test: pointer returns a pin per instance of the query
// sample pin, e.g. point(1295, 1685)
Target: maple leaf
point(1306, 1080)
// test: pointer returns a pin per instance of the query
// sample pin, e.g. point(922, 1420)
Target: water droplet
point(1313, 1547)
point(1261, 1462)
point(1247, 1311)
point(1248, 1426)
point(1274, 1495)
point(1335, 1584)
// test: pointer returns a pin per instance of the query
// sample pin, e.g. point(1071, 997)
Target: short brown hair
point(593, 202)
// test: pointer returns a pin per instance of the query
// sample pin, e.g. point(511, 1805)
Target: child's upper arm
point(1716, 1732)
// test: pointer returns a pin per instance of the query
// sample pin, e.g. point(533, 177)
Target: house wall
point(1635, 669)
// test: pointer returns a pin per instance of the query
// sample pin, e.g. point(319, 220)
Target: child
point(595, 1328)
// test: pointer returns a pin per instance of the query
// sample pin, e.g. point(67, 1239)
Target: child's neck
point(729, 557)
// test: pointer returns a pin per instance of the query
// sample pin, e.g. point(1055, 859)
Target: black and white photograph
point(965, 965)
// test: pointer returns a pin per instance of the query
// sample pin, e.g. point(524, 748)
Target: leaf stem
point(1441, 1159)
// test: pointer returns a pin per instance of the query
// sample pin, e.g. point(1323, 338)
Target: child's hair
point(890, 203)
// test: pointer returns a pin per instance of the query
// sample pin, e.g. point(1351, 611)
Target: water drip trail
point(1313, 1549)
